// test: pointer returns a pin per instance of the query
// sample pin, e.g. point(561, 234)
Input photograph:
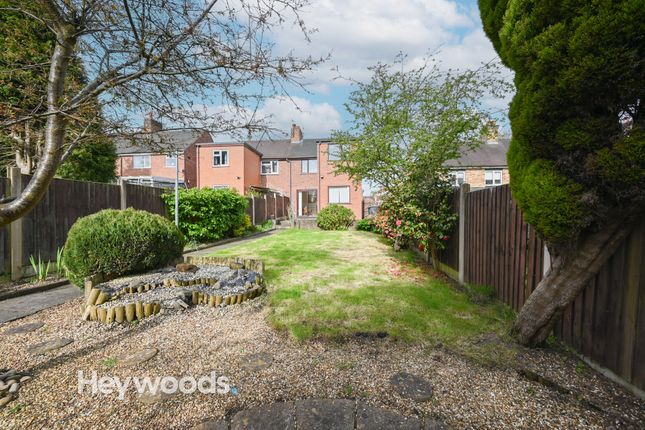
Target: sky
point(360, 33)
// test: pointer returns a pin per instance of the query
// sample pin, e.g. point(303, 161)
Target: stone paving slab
point(19, 307)
point(324, 414)
point(277, 416)
point(321, 414)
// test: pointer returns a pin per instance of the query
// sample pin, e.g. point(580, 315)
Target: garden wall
point(493, 245)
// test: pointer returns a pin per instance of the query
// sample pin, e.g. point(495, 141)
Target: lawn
point(334, 284)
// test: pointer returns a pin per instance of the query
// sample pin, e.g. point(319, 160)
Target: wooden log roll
point(102, 298)
point(119, 314)
point(86, 313)
point(93, 295)
point(101, 313)
point(239, 298)
point(211, 301)
point(195, 297)
point(139, 310)
point(156, 308)
point(227, 300)
point(147, 309)
point(130, 312)
point(110, 316)
point(218, 300)
point(93, 313)
point(140, 288)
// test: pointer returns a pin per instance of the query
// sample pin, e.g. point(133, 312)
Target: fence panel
point(45, 227)
point(450, 255)
point(271, 202)
point(605, 323)
point(146, 198)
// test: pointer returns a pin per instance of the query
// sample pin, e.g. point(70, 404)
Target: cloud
point(315, 119)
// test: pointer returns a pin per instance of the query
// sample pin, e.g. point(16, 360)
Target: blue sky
point(359, 33)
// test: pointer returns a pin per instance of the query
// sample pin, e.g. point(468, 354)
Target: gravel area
point(200, 340)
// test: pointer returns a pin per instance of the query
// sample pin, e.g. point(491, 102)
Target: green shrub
point(207, 215)
point(120, 242)
point(366, 224)
point(335, 217)
point(244, 228)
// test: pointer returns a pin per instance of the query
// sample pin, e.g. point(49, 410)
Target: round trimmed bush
point(335, 217)
point(114, 243)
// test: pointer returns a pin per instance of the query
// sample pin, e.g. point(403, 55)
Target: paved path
point(19, 307)
point(321, 414)
point(208, 251)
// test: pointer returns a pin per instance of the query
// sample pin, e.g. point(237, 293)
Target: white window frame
point(274, 167)
point(171, 161)
point(145, 165)
point(305, 166)
point(329, 152)
point(490, 175)
point(456, 176)
point(338, 200)
point(220, 153)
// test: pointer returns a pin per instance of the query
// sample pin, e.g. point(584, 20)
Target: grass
point(334, 284)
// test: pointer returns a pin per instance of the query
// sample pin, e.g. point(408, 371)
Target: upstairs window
point(171, 161)
point(269, 167)
point(220, 158)
point(493, 178)
point(333, 152)
point(309, 166)
point(141, 161)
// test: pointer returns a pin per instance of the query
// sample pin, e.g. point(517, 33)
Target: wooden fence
point(606, 323)
point(267, 206)
point(44, 229)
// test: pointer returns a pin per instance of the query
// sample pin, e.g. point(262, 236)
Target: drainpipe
point(291, 191)
point(319, 197)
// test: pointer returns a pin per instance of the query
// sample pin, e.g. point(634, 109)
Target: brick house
point(483, 167)
point(301, 169)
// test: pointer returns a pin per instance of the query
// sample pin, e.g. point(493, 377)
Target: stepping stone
point(435, 425)
point(256, 362)
point(212, 425)
point(138, 357)
point(49, 345)
point(411, 386)
point(25, 328)
point(323, 414)
point(372, 418)
point(148, 398)
point(277, 416)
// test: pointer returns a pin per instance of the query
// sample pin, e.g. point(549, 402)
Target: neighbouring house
point(483, 167)
point(301, 169)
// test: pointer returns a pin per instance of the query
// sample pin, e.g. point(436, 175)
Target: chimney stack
point(150, 125)
point(296, 134)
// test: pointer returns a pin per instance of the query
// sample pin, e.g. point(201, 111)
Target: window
point(171, 161)
point(309, 166)
point(338, 194)
point(141, 161)
point(221, 187)
point(269, 167)
point(458, 177)
point(220, 158)
point(333, 152)
point(493, 177)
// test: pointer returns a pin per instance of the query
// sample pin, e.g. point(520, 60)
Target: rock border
point(94, 297)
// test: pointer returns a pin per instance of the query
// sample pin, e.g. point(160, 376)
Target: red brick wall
point(299, 180)
point(157, 167)
point(330, 179)
point(243, 168)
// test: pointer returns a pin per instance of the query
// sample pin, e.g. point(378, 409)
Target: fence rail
point(606, 322)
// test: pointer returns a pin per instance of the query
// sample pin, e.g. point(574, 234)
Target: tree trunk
point(54, 132)
point(572, 267)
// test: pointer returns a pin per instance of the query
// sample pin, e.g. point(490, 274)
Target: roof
point(165, 141)
point(280, 149)
point(487, 155)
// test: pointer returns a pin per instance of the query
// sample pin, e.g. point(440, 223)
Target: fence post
point(463, 189)
point(124, 199)
point(275, 206)
point(15, 232)
point(266, 209)
point(253, 211)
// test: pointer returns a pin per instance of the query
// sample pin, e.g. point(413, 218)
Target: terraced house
point(301, 169)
